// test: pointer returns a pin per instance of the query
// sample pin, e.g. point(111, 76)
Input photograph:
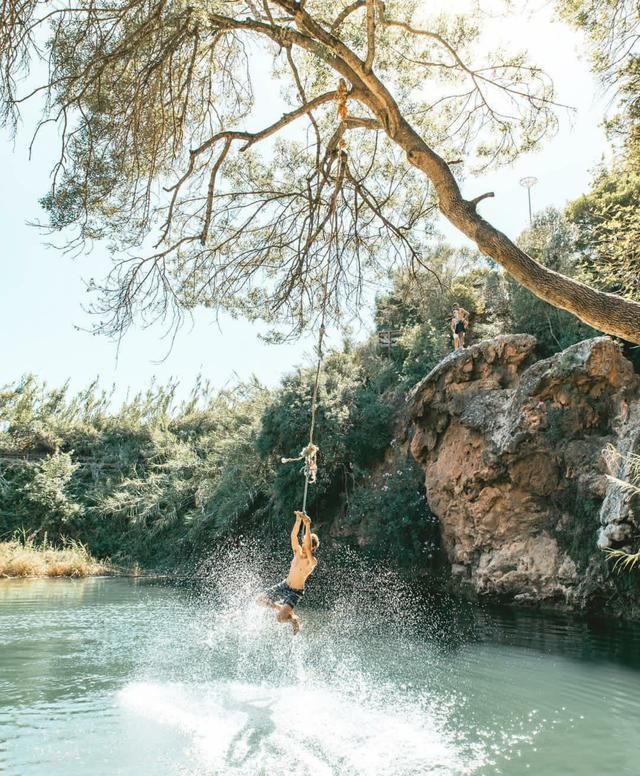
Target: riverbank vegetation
point(159, 482)
point(629, 467)
point(25, 557)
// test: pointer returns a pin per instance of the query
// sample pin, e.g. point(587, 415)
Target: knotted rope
point(341, 99)
point(309, 453)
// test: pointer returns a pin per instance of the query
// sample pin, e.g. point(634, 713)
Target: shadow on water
point(259, 725)
point(576, 636)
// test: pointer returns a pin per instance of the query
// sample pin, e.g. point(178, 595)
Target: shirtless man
point(286, 594)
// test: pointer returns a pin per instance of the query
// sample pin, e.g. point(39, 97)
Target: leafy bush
point(47, 492)
point(353, 431)
point(421, 347)
point(392, 517)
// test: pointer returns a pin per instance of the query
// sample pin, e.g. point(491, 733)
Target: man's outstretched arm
point(306, 539)
point(295, 543)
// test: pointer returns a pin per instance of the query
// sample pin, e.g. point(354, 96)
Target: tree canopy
point(606, 216)
point(609, 230)
point(170, 127)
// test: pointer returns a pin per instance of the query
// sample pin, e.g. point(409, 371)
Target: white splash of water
point(248, 729)
point(362, 690)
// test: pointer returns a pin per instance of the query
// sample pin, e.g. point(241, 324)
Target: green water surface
point(114, 677)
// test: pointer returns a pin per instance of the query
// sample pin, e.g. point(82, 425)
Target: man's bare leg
point(286, 613)
point(264, 601)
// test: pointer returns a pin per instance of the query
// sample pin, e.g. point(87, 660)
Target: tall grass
point(628, 482)
point(22, 556)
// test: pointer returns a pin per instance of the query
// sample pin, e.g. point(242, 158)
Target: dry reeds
point(23, 557)
point(628, 467)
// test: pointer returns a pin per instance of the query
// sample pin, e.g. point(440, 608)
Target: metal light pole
point(529, 183)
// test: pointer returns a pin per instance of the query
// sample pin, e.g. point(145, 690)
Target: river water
point(108, 676)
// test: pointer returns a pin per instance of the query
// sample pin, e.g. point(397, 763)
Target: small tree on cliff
point(160, 131)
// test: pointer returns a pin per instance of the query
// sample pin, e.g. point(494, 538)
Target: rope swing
point(309, 453)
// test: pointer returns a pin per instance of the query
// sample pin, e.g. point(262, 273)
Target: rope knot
point(308, 454)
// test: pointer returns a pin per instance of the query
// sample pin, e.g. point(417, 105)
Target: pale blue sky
point(43, 292)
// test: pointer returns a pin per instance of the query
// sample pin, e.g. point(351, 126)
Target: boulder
point(512, 449)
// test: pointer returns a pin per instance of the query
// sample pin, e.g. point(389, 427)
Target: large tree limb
point(293, 25)
point(606, 312)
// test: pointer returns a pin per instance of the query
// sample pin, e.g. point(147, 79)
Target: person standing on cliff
point(459, 324)
point(284, 596)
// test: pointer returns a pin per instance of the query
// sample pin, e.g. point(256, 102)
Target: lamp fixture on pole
point(529, 182)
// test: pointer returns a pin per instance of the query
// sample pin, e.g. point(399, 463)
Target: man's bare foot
point(295, 624)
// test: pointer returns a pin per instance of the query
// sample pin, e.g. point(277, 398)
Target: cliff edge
point(512, 450)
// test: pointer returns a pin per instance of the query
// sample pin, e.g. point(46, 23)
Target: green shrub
point(48, 490)
point(390, 513)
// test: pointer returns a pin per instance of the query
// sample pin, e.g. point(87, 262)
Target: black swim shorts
point(460, 327)
point(283, 594)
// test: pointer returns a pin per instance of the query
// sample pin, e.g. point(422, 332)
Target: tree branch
point(371, 36)
point(250, 138)
point(211, 188)
point(475, 200)
point(340, 18)
point(359, 122)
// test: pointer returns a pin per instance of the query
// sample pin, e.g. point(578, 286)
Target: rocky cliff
point(512, 450)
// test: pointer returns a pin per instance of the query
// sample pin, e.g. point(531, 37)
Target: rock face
point(512, 450)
